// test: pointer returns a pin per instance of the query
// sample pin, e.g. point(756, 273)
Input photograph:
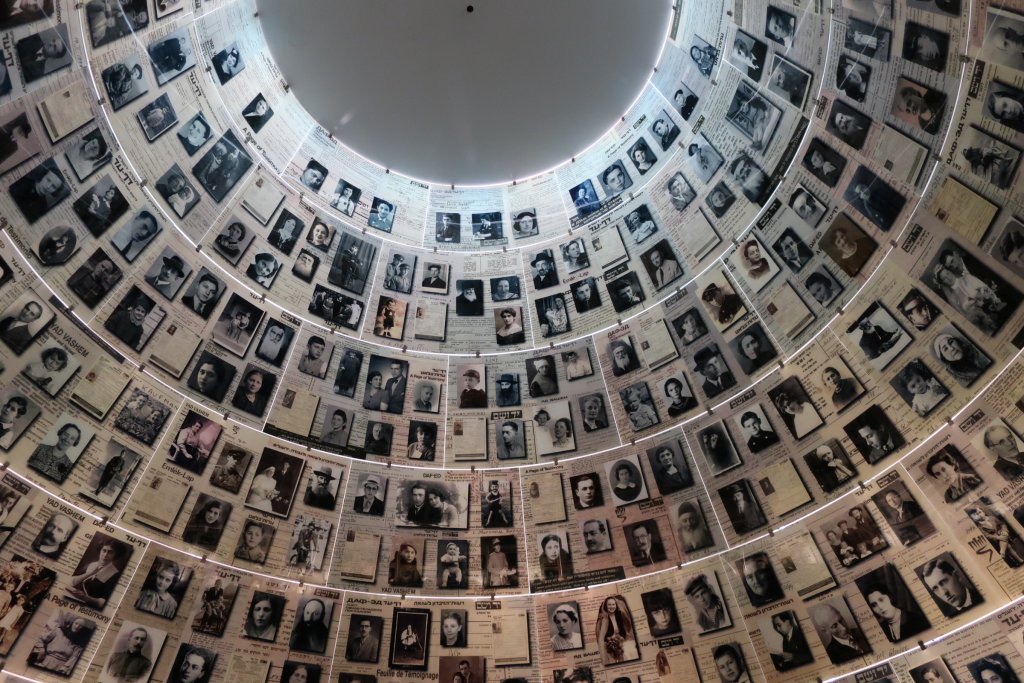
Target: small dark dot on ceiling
point(469, 8)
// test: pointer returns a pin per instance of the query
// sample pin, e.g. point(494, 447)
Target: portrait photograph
point(867, 39)
point(17, 412)
point(95, 578)
point(742, 506)
point(135, 319)
point(585, 296)
point(626, 480)
point(211, 376)
point(971, 287)
point(163, 588)
point(564, 627)
point(487, 226)
point(755, 264)
point(660, 610)
point(830, 465)
point(669, 466)
point(157, 117)
point(448, 227)
point(642, 156)
point(222, 166)
point(853, 78)
point(230, 468)
point(680, 192)
point(232, 240)
point(39, 190)
point(194, 442)
point(892, 604)
point(807, 206)
point(989, 158)
point(748, 55)
point(704, 594)
point(125, 81)
point(948, 585)
point(88, 155)
point(275, 342)
point(664, 131)
point(263, 618)
point(255, 541)
point(453, 574)
point(723, 305)
point(958, 356)
point(662, 264)
point(499, 561)
point(194, 133)
point(718, 449)
point(903, 513)
point(930, 48)
point(824, 162)
point(918, 105)
point(62, 643)
point(306, 265)
point(795, 407)
point(308, 544)
point(760, 582)
point(878, 335)
point(1004, 47)
point(615, 180)
point(257, 113)
point(874, 199)
point(823, 286)
point(852, 535)
point(133, 653)
point(848, 124)
point(237, 324)
point(60, 449)
point(19, 142)
point(918, 386)
point(691, 527)
point(992, 666)
point(639, 406)
point(787, 645)
point(167, 273)
point(753, 116)
point(389, 320)
point(44, 53)
point(755, 428)
point(351, 266)
point(874, 434)
point(171, 55)
point(839, 631)
point(410, 638)
point(206, 522)
point(286, 231)
point(14, 506)
point(254, 391)
point(276, 483)
point(364, 638)
point(53, 538)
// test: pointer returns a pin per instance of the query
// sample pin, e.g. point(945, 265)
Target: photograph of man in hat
point(167, 274)
point(369, 503)
point(544, 270)
point(710, 364)
point(321, 489)
point(507, 393)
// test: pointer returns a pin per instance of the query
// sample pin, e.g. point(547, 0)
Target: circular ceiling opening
point(466, 94)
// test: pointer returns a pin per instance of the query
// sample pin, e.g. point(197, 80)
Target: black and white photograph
point(192, 664)
point(892, 604)
point(720, 199)
point(992, 667)
point(177, 191)
point(194, 442)
point(163, 588)
point(639, 406)
point(19, 142)
point(712, 371)
point(585, 296)
point(824, 162)
point(615, 179)
point(918, 309)
point(237, 323)
point(642, 156)
point(792, 250)
point(88, 155)
point(263, 617)
point(795, 407)
point(704, 160)
point(194, 133)
point(62, 643)
point(227, 63)
point(810, 209)
point(134, 236)
point(703, 55)
point(410, 638)
point(313, 175)
point(823, 286)
point(230, 469)
point(755, 428)
point(787, 645)
point(669, 466)
point(203, 293)
point(723, 304)
point(553, 430)
point(143, 416)
point(839, 631)
point(347, 376)
point(23, 321)
point(756, 265)
point(171, 55)
point(748, 55)
point(435, 278)
point(552, 315)
point(680, 193)
point(874, 434)
point(432, 504)
point(50, 370)
point(848, 124)
point(918, 106)
point(469, 299)
point(382, 215)
point(1005, 27)
point(958, 356)
point(874, 199)
point(789, 81)
point(487, 226)
point(678, 395)
point(135, 319)
point(133, 653)
point(95, 278)
point(100, 207)
point(286, 231)
point(448, 228)
point(398, 272)
point(662, 264)
point(157, 117)
point(664, 131)
point(18, 411)
point(389, 319)
point(44, 53)
point(719, 451)
point(274, 488)
point(867, 39)
point(257, 113)
point(453, 574)
point(206, 525)
point(903, 513)
point(840, 383)
point(742, 506)
point(255, 541)
point(948, 585)
point(989, 158)
point(337, 427)
point(597, 536)
point(95, 578)
point(53, 538)
point(760, 582)
point(345, 197)
point(918, 386)
point(222, 166)
point(626, 480)
point(211, 376)
point(936, 670)
point(830, 465)
point(690, 326)
point(951, 473)
point(753, 116)
point(852, 535)
point(929, 48)
point(39, 190)
point(709, 608)
point(660, 610)
point(110, 21)
point(364, 638)
point(125, 81)
point(505, 288)
point(853, 78)
point(976, 291)
point(878, 335)
point(640, 224)
point(57, 246)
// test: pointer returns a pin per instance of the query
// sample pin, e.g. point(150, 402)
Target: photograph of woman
point(509, 329)
point(264, 616)
point(453, 628)
point(206, 525)
point(555, 562)
point(166, 583)
point(566, 633)
point(257, 113)
point(254, 391)
point(615, 632)
point(63, 641)
point(96, 576)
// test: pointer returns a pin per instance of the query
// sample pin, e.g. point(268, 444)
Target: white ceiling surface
point(441, 94)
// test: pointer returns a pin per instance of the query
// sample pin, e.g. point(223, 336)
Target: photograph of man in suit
point(845, 642)
point(204, 295)
point(168, 278)
point(18, 331)
point(952, 591)
point(369, 503)
point(42, 53)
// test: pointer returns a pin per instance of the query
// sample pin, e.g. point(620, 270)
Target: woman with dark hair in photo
point(757, 265)
point(59, 649)
point(615, 631)
point(257, 113)
point(374, 397)
point(262, 620)
point(207, 524)
point(195, 134)
point(679, 403)
point(800, 416)
point(626, 488)
point(249, 396)
point(1006, 106)
point(642, 157)
point(944, 467)
point(453, 631)
point(524, 224)
point(51, 362)
point(555, 562)
point(423, 447)
point(156, 598)
point(227, 64)
point(993, 669)
point(843, 389)
point(511, 331)
point(404, 569)
point(96, 581)
point(730, 665)
point(960, 357)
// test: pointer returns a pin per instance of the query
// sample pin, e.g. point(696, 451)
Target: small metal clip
point(405, 347)
point(860, 483)
point(472, 469)
point(921, 645)
point(203, 558)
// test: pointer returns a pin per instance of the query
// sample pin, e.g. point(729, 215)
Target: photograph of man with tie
point(204, 293)
point(22, 322)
